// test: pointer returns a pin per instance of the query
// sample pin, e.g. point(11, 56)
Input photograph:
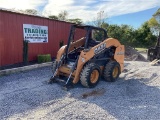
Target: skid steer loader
point(153, 53)
point(87, 60)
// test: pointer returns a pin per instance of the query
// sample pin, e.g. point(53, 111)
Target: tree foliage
point(124, 33)
point(27, 11)
point(76, 20)
point(153, 22)
point(63, 15)
point(145, 36)
point(154, 26)
point(31, 11)
point(127, 35)
point(157, 12)
point(53, 17)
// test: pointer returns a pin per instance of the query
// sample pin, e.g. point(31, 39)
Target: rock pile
point(132, 54)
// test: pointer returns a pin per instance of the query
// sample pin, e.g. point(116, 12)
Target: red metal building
point(11, 36)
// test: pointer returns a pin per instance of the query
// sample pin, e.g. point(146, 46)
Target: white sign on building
point(35, 33)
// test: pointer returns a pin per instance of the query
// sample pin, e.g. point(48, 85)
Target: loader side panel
point(119, 56)
point(119, 52)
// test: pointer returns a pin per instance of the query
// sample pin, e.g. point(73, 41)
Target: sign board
point(35, 33)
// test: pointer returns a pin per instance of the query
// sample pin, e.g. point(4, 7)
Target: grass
point(141, 49)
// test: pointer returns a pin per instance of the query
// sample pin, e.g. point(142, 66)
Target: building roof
point(27, 14)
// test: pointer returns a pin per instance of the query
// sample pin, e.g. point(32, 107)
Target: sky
point(131, 12)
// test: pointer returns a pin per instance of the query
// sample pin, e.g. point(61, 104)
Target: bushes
point(44, 58)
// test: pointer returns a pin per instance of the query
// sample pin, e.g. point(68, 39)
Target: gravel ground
point(135, 95)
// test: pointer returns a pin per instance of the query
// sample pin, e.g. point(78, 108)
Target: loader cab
point(94, 36)
point(91, 36)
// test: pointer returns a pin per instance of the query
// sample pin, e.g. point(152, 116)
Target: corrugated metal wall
point(11, 37)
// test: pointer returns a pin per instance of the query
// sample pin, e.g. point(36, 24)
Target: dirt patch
point(132, 54)
point(93, 93)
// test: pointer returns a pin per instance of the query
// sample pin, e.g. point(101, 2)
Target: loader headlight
point(83, 60)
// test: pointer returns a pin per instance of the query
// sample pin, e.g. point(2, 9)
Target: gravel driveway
point(135, 95)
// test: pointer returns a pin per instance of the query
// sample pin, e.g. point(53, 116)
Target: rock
point(132, 54)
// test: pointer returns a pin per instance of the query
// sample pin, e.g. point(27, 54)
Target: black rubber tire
point(108, 71)
point(54, 65)
point(86, 74)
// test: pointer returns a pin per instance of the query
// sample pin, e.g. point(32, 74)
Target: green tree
point(63, 15)
point(154, 26)
point(76, 20)
point(116, 32)
point(105, 25)
point(53, 17)
point(144, 36)
point(99, 35)
point(124, 33)
point(27, 11)
point(31, 11)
